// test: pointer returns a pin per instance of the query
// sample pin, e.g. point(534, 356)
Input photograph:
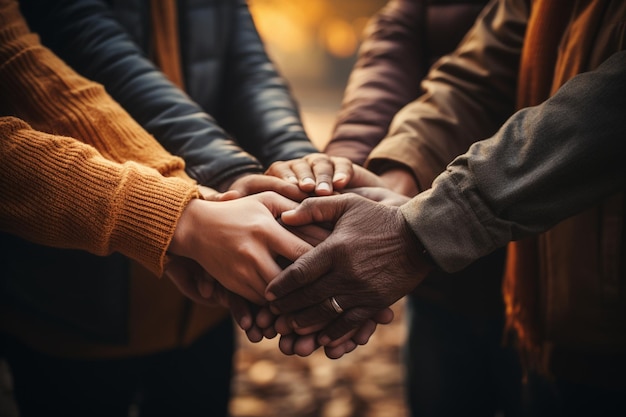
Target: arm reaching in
point(237, 241)
point(370, 260)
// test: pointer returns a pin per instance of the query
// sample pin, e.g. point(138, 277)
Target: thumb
point(302, 272)
point(327, 209)
point(275, 202)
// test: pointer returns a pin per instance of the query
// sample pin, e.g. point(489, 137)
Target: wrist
point(401, 179)
point(180, 243)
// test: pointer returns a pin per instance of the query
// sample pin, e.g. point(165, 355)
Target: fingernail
point(323, 186)
point(270, 296)
point(308, 181)
point(292, 180)
point(288, 212)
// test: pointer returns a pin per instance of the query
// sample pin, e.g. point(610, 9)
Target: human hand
point(237, 241)
point(370, 260)
point(195, 283)
point(210, 194)
point(191, 280)
point(315, 173)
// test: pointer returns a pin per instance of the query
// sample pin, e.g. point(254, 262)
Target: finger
point(286, 344)
point(321, 313)
point(282, 325)
point(251, 288)
point(343, 339)
point(323, 170)
point(384, 316)
point(269, 333)
point(265, 318)
point(207, 193)
point(350, 320)
point(241, 310)
point(228, 195)
point(311, 329)
point(338, 351)
point(304, 173)
point(305, 345)
point(282, 170)
point(343, 172)
point(363, 334)
point(254, 334)
point(316, 210)
point(256, 184)
point(275, 202)
point(282, 244)
point(206, 287)
point(267, 267)
point(304, 270)
point(312, 234)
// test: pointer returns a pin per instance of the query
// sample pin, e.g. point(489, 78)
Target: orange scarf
point(546, 65)
point(165, 37)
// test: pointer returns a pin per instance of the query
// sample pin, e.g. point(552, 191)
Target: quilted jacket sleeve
point(80, 192)
point(261, 112)
point(86, 35)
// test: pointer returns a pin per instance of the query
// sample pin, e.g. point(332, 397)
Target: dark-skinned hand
point(371, 260)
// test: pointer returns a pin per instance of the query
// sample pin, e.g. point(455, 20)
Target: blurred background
point(314, 45)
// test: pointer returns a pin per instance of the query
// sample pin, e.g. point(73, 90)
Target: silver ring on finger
point(333, 302)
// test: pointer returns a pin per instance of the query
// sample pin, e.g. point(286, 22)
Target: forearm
point(384, 79)
point(260, 109)
point(85, 34)
point(544, 165)
point(59, 192)
point(467, 96)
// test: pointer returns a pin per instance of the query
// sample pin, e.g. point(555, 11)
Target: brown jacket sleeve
point(467, 96)
point(105, 191)
point(385, 77)
point(402, 41)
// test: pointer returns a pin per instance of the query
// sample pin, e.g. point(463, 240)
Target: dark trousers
point(549, 397)
point(194, 381)
point(456, 364)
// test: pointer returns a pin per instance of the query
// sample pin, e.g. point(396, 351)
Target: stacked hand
point(336, 287)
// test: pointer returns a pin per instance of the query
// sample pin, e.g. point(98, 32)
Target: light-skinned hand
point(238, 241)
point(316, 173)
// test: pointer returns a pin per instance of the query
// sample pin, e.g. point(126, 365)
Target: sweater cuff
point(149, 209)
point(453, 231)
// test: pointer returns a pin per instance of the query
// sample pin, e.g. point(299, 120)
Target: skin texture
point(370, 260)
point(240, 241)
point(316, 169)
point(255, 319)
point(337, 173)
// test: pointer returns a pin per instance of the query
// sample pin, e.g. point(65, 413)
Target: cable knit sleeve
point(112, 189)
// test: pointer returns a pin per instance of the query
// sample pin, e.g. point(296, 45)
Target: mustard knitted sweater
point(76, 171)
